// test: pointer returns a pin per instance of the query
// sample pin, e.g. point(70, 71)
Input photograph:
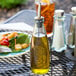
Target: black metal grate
point(61, 65)
point(20, 66)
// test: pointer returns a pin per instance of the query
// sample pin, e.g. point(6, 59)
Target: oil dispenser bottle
point(39, 47)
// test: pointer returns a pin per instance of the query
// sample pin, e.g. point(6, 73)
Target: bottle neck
point(74, 19)
point(39, 28)
point(59, 20)
point(38, 24)
point(74, 16)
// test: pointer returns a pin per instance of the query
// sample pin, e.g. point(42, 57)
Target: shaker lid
point(73, 10)
point(59, 12)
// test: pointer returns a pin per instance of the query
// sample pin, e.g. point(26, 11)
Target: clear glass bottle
point(72, 31)
point(59, 42)
point(39, 48)
point(71, 37)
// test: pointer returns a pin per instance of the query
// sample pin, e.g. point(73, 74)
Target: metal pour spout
point(39, 10)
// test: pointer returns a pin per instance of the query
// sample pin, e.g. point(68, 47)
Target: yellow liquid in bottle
point(40, 55)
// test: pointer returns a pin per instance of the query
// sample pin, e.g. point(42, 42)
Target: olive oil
point(39, 46)
point(39, 54)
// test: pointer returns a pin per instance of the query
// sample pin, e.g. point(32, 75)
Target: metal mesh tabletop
point(20, 65)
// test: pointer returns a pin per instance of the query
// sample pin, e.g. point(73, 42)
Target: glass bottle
point(72, 31)
point(39, 48)
point(71, 37)
point(59, 42)
point(47, 11)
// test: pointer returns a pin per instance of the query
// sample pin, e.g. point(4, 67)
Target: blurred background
point(10, 7)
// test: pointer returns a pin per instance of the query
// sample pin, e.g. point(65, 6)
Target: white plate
point(15, 53)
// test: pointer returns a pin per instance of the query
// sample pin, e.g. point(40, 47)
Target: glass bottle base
point(40, 71)
point(71, 46)
point(59, 50)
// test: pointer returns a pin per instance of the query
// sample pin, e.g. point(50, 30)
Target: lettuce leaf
point(22, 38)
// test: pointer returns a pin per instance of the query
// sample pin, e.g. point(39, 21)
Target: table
point(20, 65)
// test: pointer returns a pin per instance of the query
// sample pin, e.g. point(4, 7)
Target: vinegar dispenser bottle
point(39, 48)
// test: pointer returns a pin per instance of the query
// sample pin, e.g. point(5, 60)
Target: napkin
point(16, 26)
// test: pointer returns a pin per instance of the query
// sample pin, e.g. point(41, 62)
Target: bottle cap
point(59, 13)
point(39, 21)
point(73, 10)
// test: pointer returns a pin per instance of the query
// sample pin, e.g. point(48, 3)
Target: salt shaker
point(59, 42)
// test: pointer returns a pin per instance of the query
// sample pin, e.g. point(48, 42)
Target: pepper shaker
point(72, 31)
